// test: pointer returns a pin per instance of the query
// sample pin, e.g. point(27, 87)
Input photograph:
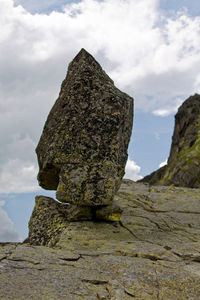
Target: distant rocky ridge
point(183, 166)
point(82, 152)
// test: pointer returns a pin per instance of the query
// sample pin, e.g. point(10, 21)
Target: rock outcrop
point(82, 152)
point(183, 167)
point(152, 253)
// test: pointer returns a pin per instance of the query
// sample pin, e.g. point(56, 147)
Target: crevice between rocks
point(3, 258)
point(129, 293)
point(129, 230)
point(95, 281)
point(71, 258)
point(188, 257)
point(151, 221)
point(10, 252)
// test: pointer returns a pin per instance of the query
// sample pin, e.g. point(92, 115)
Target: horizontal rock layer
point(152, 253)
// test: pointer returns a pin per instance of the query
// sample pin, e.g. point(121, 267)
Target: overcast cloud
point(153, 58)
point(7, 231)
point(132, 171)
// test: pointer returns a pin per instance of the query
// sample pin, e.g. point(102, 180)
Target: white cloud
point(18, 171)
point(162, 164)
point(7, 231)
point(18, 176)
point(132, 170)
point(163, 112)
point(153, 58)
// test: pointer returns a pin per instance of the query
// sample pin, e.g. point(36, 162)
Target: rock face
point(152, 253)
point(83, 148)
point(183, 167)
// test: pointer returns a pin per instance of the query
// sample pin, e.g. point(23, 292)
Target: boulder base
point(152, 253)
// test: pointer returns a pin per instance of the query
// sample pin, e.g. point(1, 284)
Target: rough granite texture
point(48, 217)
point(82, 152)
point(183, 167)
point(153, 253)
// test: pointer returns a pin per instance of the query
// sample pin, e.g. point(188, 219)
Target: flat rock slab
point(152, 253)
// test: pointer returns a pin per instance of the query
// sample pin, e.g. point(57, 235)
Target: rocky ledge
point(182, 167)
point(152, 253)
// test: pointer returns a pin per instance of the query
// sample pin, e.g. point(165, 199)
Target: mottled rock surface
point(49, 217)
point(83, 148)
point(183, 167)
point(152, 253)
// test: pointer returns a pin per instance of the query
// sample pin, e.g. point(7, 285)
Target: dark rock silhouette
point(82, 152)
point(183, 166)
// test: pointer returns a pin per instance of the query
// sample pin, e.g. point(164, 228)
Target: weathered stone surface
point(109, 213)
point(152, 253)
point(49, 217)
point(183, 167)
point(83, 148)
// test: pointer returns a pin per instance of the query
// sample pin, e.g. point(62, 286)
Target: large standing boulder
point(183, 167)
point(82, 152)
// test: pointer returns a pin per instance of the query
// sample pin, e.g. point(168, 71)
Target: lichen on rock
point(182, 168)
point(152, 253)
point(82, 152)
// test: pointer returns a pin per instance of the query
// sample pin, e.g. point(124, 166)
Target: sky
point(150, 48)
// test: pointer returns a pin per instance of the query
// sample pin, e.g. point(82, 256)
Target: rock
point(109, 213)
point(83, 148)
point(49, 217)
point(152, 253)
point(183, 167)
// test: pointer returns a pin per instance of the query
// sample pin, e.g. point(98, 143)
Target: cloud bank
point(152, 57)
point(132, 171)
point(7, 231)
